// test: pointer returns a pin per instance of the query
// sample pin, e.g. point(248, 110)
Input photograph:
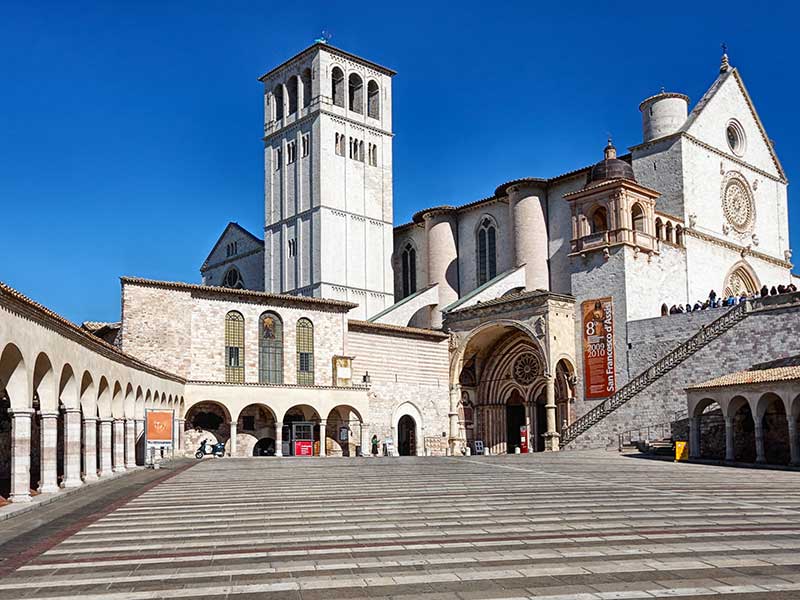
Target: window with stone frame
point(270, 348)
point(409, 268)
point(356, 93)
point(306, 142)
point(233, 279)
point(486, 251)
point(305, 352)
point(234, 347)
point(337, 86)
point(291, 152)
point(373, 100)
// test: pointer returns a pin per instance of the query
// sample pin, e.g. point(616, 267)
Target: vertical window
point(637, 217)
point(292, 248)
point(291, 91)
point(659, 230)
point(409, 259)
point(337, 86)
point(278, 94)
point(373, 100)
point(487, 251)
point(306, 143)
point(340, 144)
point(291, 152)
point(278, 158)
point(270, 348)
point(305, 352)
point(361, 150)
point(234, 347)
point(599, 220)
point(356, 94)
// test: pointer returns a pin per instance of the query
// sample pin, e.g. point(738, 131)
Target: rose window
point(526, 368)
point(737, 204)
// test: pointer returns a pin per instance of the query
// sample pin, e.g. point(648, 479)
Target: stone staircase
point(661, 367)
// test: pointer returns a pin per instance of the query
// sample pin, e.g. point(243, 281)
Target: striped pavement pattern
point(572, 525)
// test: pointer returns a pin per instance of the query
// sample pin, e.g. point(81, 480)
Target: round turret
point(663, 114)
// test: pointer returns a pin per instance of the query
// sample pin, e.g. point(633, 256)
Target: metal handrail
point(662, 366)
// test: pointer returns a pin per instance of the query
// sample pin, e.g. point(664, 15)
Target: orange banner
point(159, 425)
point(598, 348)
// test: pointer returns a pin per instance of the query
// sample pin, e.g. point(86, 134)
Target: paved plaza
point(580, 525)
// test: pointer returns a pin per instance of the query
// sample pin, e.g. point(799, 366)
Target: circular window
point(737, 203)
point(526, 368)
point(233, 279)
point(735, 135)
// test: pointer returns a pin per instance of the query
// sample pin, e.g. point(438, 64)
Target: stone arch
point(87, 395)
point(659, 229)
point(373, 99)
point(710, 429)
point(355, 93)
point(206, 419)
point(740, 411)
point(772, 415)
point(14, 377)
point(129, 402)
point(305, 78)
point(598, 219)
point(741, 279)
point(255, 431)
point(292, 87)
point(278, 104)
point(415, 446)
point(117, 401)
point(486, 233)
point(103, 398)
point(638, 217)
point(337, 86)
point(68, 393)
point(343, 430)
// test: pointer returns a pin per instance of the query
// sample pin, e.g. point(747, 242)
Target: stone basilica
point(500, 323)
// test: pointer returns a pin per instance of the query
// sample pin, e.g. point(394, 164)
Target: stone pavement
point(572, 525)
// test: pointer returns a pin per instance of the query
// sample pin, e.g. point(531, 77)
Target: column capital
point(21, 412)
point(71, 411)
point(49, 415)
point(323, 421)
point(90, 419)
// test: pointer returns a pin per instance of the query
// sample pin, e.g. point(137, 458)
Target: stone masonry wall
point(762, 336)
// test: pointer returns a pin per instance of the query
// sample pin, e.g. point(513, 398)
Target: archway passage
point(206, 420)
point(264, 447)
point(256, 423)
point(744, 438)
point(343, 431)
point(711, 423)
point(407, 436)
point(775, 428)
point(300, 436)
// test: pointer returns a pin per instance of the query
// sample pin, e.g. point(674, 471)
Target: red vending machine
point(523, 439)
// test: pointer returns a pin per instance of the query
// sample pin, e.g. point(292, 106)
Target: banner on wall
point(598, 348)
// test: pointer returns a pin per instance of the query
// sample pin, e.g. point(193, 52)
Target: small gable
point(726, 119)
point(234, 242)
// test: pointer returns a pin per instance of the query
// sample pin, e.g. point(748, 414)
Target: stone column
point(130, 443)
point(118, 455)
point(551, 437)
point(178, 437)
point(139, 435)
point(794, 442)
point(366, 448)
point(694, 437)
point(72, 448)
point(278, 438)
point(90, 448)
point(232, 449)
point(49, 453)
point(21, 455)
point(323, 425)
point(104, 447)
point(759, 427)
point(730, 453)
point(529, 427)
point(455, 398)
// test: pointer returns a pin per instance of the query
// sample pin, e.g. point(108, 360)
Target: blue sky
point(130, 132)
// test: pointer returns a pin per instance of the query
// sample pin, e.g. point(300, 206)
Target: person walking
point(374, 445)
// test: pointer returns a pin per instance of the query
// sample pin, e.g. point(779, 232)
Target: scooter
point(217, 449)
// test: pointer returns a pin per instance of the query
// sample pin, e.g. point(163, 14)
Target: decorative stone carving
point(527, 368)
point(737, 202)
point(539, 328)
point(692, 220)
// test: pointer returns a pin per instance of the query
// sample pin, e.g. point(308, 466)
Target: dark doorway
point(264, 447)
point(407, 436)
point(541, 426)
point(515, 418)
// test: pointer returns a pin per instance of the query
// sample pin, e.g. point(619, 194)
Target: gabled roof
point(233, 225)
point(782, 369)
point(712, 91)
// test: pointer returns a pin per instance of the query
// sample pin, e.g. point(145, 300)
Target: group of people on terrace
point(714, 301)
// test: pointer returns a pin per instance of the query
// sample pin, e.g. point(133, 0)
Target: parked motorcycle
point(217, 449)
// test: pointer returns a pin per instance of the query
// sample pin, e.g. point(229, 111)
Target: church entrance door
point(515, 418)
point(407, 436)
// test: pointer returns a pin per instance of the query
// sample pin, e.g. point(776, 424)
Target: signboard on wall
point(159, 427)
point(598, 348)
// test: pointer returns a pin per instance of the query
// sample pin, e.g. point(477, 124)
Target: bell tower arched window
point(599, 220)
point(356, 94)
point(305, 352)
point(373, 100)
point(409, 260)
point(270, 348)
point(487, 251)
point(637, 217)
point(337, 86)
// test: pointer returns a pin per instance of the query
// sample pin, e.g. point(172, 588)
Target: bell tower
point(328, 226)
